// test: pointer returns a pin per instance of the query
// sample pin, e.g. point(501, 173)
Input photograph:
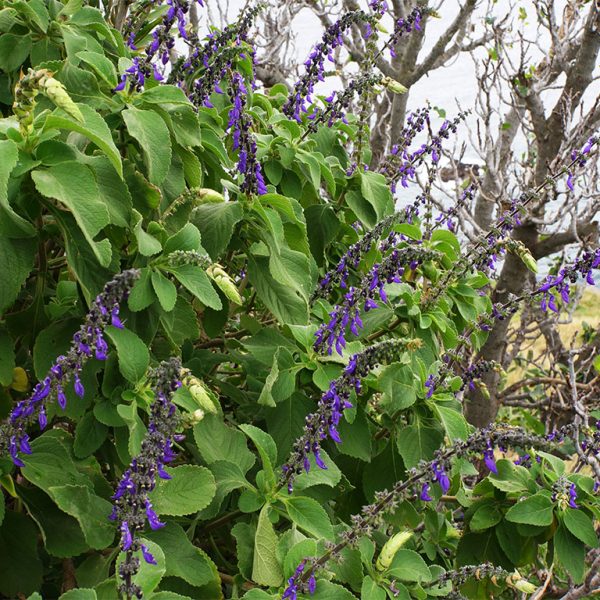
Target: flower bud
point(19, 380)
point(394, 86)
point(528, 260)
point(201, 395)
point(55, 90)
point(225, 283)
point(390, 548)
point(207, 196)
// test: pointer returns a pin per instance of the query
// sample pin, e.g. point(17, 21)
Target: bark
point(550, 135)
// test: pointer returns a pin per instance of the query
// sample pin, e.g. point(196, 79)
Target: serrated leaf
point(216, 223)
point(148, 577)
point(73, 184)
point(132, 352)
point(197, 282)
point(12, 225)
point(409, 566)
point(190, 490)
point(90, 510)
point(265, 567)
point(20, 568)
point(182, 558)
point(310, 516)
point(581, 526)
point(217, 441)
point(151, 132)
point(165, 290)
point(94, 127)
point(535, 510)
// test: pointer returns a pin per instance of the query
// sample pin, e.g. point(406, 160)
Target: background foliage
point(94, 182)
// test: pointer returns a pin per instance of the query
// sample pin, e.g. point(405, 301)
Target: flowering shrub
point(233, 363)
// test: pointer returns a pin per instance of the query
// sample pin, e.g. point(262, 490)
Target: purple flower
point(126, 539)
point(440, 475)
point(430, 385)
point(87, 341)
point(424, 495)
point(78, 387)
point(243, 140)
point(572, 496)
point(114, 318)
point(131, 503)
point(148, 557)
point(490, 462)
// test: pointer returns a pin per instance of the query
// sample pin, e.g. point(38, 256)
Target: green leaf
point(535, 510)
point(186, 239)
point(397, 383)
point(132, 352)
point(89, 435)
point(16, 258)
point(326, 590)
point(216, 223)
point(510, 477)
point(181, 323)
point(316, 476)
point(164, 94)
point(371, 591)
point(407, 565)
point(244, 534)
point(90, 510)
point(94, 127)
point(20, 568)
point(148, 245)
point(191, 489)
point(148, 577)
point(217, 441)
point(322, 226)
point(151, 132)
point(356, 437)
point(265, 567)
point(101, 65)
point(257, 594)
point(183, 559)
point(113, 190)
point(35, 11)
point(376, 192)
point(309, 515)
point(297, 553)
point(142, 294)
point(454, 423)
point(228, 477)
point(581, 526)
point(73, 184)
point(11, 225)
point(61, 533)
point(197, 282)
point(417, 442)
point(165, 291)
point(51, 465)
point(485, 516)
point(265, 445)
point(14, 49)
point(556, 463)
point(7, 359)
point(280, 299)
point(79, 594)
point(570, 552)
point(136, 427)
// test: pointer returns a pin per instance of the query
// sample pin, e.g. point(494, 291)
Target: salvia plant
point(235, 354)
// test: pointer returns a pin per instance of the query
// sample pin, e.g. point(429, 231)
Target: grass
point(587, 312)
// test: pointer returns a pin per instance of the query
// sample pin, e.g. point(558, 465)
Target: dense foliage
point(233, 358)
